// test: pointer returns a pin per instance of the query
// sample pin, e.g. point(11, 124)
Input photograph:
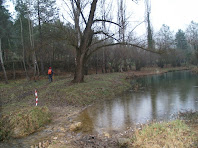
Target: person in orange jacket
point(50, 74)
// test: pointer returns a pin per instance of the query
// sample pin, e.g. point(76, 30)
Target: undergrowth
point(23, 122)
point(167, 134)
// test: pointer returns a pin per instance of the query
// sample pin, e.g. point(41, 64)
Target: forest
point(89, 38)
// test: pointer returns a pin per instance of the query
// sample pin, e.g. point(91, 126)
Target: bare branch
point(110, 36)
point(108, 9)
point(137, 26)
point(135, 1)
point(64, 18)
point(100, 41)
point(68, 8)
point(76, 18)
point(128, 44)
point(78, 6)
point(100, 20)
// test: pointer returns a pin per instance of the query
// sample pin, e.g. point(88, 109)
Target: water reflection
point(162, 96)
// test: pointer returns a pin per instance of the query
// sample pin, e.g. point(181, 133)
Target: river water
point(160, 98)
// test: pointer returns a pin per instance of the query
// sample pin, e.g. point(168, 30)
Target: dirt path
point(58, 134)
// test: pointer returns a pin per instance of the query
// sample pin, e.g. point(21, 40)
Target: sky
point(177, 14)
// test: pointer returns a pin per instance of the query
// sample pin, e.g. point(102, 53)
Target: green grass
point(22, 122)
point(167, 134)
point(96, 88)
point(18, 99)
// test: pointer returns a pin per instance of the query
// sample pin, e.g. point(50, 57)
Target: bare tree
point(34, 60)
point(192, 35)
point(88, 43)
point(2, 64)
point(84, 49)
point(149, 29)
point(122, 19)
point(164, 38)
point(4, 29)
point(45, 12)
point(40, 35)
point(85, 42)
point(165, 43)
point(22, 43)
point(104, 56)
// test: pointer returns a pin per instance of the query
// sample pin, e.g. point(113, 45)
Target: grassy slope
point(166, 134)
point(20, 123)
point(62, 92)
point(18, 99)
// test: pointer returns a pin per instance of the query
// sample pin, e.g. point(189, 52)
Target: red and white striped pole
point(36, 97)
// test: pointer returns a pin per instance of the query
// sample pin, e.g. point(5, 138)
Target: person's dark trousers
point(50, 78)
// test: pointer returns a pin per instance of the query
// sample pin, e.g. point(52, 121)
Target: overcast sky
point(177, 14)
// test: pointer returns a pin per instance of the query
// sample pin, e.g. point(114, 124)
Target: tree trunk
point(96, 62)
point(2, 64)
point(85, 42)
point(76, 13)
point(105, 61)
point(22, 42)
point(41, 39)
point(38, 71)
point(33, 49)
point(14, 72)
point(104, 28)
point(79, 69)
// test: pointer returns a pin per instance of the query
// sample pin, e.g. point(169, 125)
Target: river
point(160, 98)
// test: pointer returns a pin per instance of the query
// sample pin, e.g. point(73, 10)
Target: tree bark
point(41, 38)
point(22, 42)
point(76, 13)
point(33, 49)
point(79, 71)
point(14, 72)
point(104, 28)
point(2, 64)
point(96, 63)
point(85, 42)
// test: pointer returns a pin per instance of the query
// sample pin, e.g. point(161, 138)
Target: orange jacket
point(50, 71)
